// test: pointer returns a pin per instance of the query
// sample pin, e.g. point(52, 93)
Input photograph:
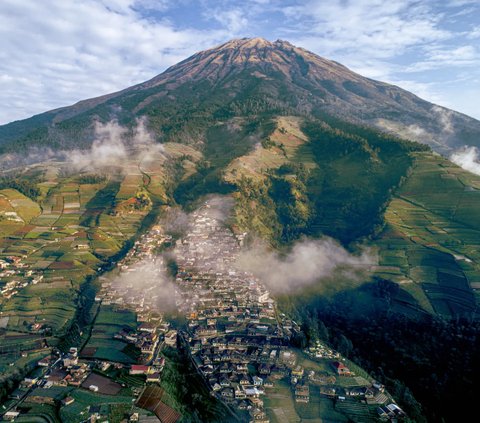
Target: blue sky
point(56, 52)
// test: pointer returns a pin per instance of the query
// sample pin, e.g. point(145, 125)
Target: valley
point(122, 218)
point(53, 247)
point(84, 241)
point(237, 340)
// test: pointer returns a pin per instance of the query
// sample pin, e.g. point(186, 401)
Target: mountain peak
point(246, 43)
point(258, 55)
point(253, 43)
point(249, 75)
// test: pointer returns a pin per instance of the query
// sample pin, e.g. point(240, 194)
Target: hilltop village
point(240, 343)
point(234, 336)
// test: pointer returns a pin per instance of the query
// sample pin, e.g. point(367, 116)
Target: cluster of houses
point(152, 372)
point(150, 339)
point(320, 350)
point(146, 339)
point(146, 247)
point(60, 369)
point(390, 412)
point(67, 370)
point(143, 296)
point(237, 339)
point(234, 334)
point(15, 275)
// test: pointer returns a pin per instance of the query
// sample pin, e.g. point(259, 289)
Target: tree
point(345, 346)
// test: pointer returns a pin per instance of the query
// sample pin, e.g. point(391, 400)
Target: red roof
point(338, 365)
point(140, 367)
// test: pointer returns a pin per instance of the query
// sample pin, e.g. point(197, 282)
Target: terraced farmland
point(74, 227)
point(432, 237)
point(102, 345)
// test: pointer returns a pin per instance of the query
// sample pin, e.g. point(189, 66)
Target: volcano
point(243, 78)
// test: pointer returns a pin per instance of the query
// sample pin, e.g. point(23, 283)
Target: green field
point(281, 406)
point(111, 320)
point(77, 411)
point(75, 225)
point(38, 413)
point(431, 241)
point(319, 409)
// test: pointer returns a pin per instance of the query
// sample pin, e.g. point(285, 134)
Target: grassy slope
point(342, 190)
point(430, 243)
point(255, 209)
point(310, 178)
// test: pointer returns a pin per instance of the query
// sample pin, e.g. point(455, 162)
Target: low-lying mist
point(467, 158)
point(220, 207)
point(150, 277)
point(176, 223)
point(113, 146)
point(308, 262)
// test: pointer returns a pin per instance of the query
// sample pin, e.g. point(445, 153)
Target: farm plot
point(77, 412)
point(104, 384)
point(319, 409)
point(279, 404)
point(102, 343)
point(26, 208)
point(130, 185)
point(49, 304)
point(357, 411)
point(433, 234)
point(151, 399)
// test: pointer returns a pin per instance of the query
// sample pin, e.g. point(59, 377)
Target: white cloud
point(309, 262)
point(463, 53)
point(376, 28)
point(111, 148)
point(474, 33)
point(153, 5)
point(54, 53)
point(467, 158)
point(234, 20)
point(461, 3)
point(462, 56)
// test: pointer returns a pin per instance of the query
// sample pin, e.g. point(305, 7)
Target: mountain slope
point(295, 140)
point(243, 78)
